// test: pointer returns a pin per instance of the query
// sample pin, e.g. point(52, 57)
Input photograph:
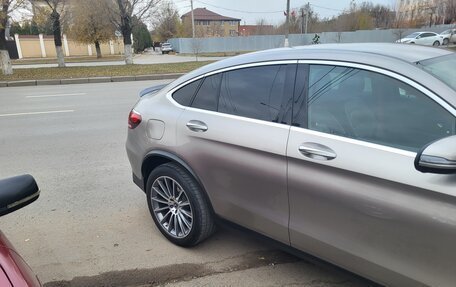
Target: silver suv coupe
point(346, 152)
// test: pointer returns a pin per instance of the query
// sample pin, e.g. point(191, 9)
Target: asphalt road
point(91, 225)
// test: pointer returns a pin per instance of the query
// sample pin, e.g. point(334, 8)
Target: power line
point(265, 12)
point(240, 11)
point(327, 8)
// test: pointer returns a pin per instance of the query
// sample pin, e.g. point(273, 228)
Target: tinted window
point(368, 106)
point(255, 92)
point(425, 35)
point(207, 95)
point(185, 94)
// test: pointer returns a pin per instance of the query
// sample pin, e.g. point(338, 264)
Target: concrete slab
point(100, 80)
point(3, 84)
point(48, 82)
point(22, 83)
point(74, 81)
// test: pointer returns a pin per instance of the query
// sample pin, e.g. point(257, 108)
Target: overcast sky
point(271, 10)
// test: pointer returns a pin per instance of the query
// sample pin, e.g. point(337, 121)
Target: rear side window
point(207, 95)
point(185, 94)
point(256, 92)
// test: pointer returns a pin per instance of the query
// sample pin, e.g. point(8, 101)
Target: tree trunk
point(5, 61)
point(56, 27)
point(127, 45)
point(97, 47)
point(60, 57)
point(128, 54)
point(126, 33)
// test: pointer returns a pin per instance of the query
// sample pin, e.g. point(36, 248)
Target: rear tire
point(178, 206)
point(436, 44)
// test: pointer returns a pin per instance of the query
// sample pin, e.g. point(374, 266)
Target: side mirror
point(438, 157)
point(17, 192)
point(418, 37)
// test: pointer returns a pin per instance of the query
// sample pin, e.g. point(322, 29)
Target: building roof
point(208, 15)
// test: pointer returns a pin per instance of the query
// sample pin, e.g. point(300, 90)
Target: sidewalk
point(140, 59)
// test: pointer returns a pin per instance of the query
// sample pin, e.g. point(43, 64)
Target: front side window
point(256, 92)
point(373, 107)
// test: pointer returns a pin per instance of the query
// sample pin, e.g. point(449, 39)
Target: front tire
point(436, 44)
point(446, 42)
point(178, 206)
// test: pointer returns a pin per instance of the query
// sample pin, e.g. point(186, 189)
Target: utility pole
point(307, 15)
point(287, 25)
point(193, 19)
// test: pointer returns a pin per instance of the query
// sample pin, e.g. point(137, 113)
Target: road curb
point(89, 80)
point(47, 82)
point(22, 83)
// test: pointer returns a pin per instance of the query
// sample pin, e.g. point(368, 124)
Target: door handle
point(317, 151)
point(196, 126)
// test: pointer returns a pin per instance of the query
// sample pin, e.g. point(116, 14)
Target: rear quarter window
point(185, 94)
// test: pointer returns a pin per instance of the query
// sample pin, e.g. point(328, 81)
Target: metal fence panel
point(256, 43)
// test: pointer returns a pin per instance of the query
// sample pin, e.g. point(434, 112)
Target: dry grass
point(84, 59)
point(101, 71)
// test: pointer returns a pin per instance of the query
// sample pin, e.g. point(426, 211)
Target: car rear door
point(355, 197)
point(234, 136)
point(429, 38)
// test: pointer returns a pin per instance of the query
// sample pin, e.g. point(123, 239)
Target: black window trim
point(247, 65)
point(294, 109)
point(235, 68)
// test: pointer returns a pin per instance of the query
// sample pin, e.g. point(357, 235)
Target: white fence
point(255, 43)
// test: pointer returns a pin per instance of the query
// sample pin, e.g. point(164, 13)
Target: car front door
point(234, 137)
point(355, 197)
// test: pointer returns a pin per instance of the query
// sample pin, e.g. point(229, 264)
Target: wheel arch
point(156, 158)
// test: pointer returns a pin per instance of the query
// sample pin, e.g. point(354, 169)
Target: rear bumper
point(139, 182)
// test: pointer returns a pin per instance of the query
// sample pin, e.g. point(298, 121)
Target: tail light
point(134, 119)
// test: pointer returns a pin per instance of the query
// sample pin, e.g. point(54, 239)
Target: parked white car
point(166, 48)
point(449, 36)
point(423, 38)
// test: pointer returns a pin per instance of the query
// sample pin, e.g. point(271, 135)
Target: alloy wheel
point(171, 207)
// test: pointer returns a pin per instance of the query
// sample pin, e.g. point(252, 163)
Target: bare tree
point(167, 24)
point(122, 17)
point(197, 42)
point(54, 10)
point(262, 27)
point(90, 24)
point(7, 7)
